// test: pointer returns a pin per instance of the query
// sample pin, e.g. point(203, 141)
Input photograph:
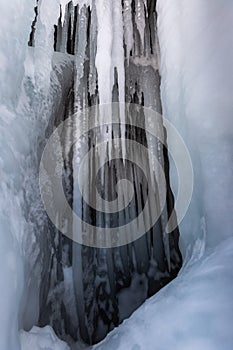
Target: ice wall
point(16, 16)
point(27, 102)
point(196, 67)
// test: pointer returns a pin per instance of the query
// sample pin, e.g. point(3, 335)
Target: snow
point(193, 312)
point(41, 339)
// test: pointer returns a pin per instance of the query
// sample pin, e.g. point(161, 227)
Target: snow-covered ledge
point(194, 311)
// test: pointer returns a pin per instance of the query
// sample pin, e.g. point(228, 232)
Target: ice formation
point(105, 71)
point(195, 311)
point(26, 108)
point(39, 87)
point(196, 56)
point(37, 94)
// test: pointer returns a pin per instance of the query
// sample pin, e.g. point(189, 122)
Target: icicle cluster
point(113, 45)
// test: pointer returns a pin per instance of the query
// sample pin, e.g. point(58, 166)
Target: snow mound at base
point(194, 311)
point(41, 339)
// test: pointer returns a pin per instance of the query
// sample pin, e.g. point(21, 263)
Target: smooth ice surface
point(27, 102)
point(196, 67)
point(16, 17)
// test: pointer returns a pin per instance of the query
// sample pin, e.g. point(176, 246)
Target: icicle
point(63, 10)
point(44, 39)
point(82, 3)
point(118, 62)
point(146, 7)
point(80, 48)
point(157, 47)
point(118, 49)
point(65, 23)
point(93, 40)
point(128, 27)
point(72, 19)
point(103, 59)
point(140, 19)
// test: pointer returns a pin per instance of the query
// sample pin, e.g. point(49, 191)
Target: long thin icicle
point(128, 26)
point(103, 59)
point(140, 19)
point(118, 49)
point(118, 61)
point(93, 40)
point(63, 9)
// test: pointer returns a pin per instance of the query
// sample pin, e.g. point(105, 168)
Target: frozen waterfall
point(83, 61)
point(96, 33)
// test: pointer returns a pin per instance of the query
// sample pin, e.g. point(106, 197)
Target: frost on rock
point(114, 52)
point(104, 52)
point(112, 64)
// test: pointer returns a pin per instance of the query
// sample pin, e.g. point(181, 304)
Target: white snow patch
point(41, 339)
point(194, 311)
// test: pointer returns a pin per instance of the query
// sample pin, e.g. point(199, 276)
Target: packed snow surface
point(194, 311)
point(41, 339)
